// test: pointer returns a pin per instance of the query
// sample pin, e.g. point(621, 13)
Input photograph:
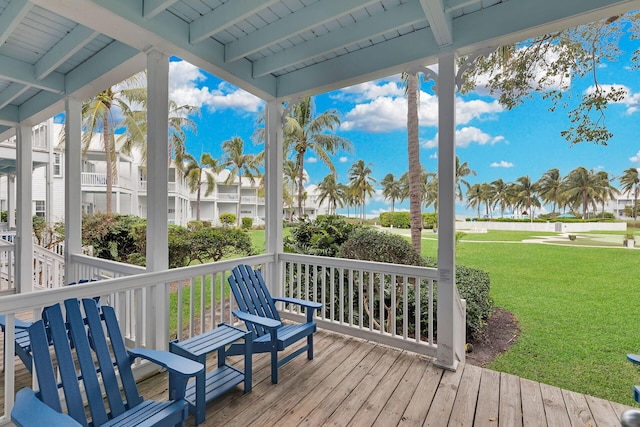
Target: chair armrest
point(19, 324)
point(174, 363)
point(30, 411)
point(251, 318)
point(300, 302)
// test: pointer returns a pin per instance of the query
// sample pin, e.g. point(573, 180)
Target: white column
point(11, 201)
point(446, 208)
point(72, 186)
point(24, 239)
point(273, 190)
point(157, 323)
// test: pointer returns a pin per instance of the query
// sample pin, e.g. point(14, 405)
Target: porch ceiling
point(50, 49)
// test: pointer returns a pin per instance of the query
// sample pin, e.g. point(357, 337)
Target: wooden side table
point(210, 385)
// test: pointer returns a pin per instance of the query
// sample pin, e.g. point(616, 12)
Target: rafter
point(11, 17)
point(9, 116)
point(13, 91)
point(225, 16)
point(373, 26)
point(78, 38)
point(150, 8)
point(317, 13)
point(24, 73)
point(440, 21)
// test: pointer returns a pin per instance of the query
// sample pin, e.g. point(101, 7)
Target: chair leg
point(310, 347)
point(274, 356)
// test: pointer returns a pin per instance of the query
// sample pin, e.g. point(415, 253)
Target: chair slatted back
point(84, 338)
point(252, 295)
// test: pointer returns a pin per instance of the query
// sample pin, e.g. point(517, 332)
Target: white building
point(129, 191)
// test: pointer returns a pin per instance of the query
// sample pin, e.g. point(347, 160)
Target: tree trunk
point(414, 164)
point(300, 181)
point(108, 162)
point(239, 198)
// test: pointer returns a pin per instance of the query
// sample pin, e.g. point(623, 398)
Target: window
point(40, 208)
point(57, 164)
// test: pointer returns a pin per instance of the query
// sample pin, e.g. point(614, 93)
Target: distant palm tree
point(241, 164)
point(391, 189)
point(501, 195)
point(361, 181)
point(305, 133)
point(195, 172)
point(606, 191)
point(631, 181)
point(527, 195)
point(475, 197)
point(332, 191)
point(428, 191)
point(581, 188)
point(486, 191)
point(462, 171)
point(550, 186)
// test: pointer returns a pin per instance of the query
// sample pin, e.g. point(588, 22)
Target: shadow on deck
point(352, 382)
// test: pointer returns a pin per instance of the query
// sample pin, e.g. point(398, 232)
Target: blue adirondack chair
point(257, 309)
point(85, 334)
point(22, 343)
point(635, 359)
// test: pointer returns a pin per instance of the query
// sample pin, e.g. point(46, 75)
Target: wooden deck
point(352, 382)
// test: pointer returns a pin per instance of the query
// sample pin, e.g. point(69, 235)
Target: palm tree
point(332, 191)
point(428, 191)
point(97, 116)
point(501, 194)
point(289, 184)
point(305, 133)
point(631, 181)
point(462, 170)
point(486, 192)
point(240, 164)
point(526, 195)
point(361, 181)
point(413, 149)
point(550, 186)
point(391, 189)
point(582, 188)
point(136, 124)
point(195, 172)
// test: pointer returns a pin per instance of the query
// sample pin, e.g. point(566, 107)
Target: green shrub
point(247, 223)
point(395, 219)
point(473, 284)
point(430, 220)
point(194, 225)
point(323, 236)
point(228, 218)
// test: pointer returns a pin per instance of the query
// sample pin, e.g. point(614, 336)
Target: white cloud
point(636, 158)
point(629, 99)
point(312, 160)
point(186, 87)
point(378, 196)
point(501, 164)
point(467, 136)
point(381, 106)
point(433, 156)
point(343, 159)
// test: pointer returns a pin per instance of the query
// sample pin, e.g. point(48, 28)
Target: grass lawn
point(576, 307)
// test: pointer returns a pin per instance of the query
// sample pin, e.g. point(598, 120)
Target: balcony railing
point(93, 179)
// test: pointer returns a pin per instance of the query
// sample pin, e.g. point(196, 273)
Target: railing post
point(72, 186)
point(24, 233)
point(273, 192)
point(446, 211)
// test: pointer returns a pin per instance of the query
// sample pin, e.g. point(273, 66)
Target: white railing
point(96, 179)
point(387, 303)
point(232, 197)
point(370, 300)
point(7, 266)
point(48, 269)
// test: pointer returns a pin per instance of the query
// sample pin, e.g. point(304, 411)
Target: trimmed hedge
point(395, 219)
point(247, 223)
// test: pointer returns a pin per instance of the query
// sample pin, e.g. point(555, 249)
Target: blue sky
point(496, 143)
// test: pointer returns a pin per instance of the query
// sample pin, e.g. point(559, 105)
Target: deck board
point(352, 382)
